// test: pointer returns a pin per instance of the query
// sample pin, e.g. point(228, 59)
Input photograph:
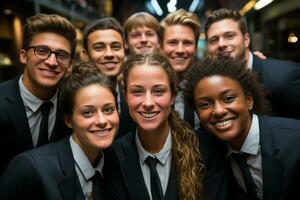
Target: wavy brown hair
point(185, 147)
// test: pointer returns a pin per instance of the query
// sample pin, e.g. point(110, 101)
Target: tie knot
point(240, 156)
point(45, 107)
point(152, 162)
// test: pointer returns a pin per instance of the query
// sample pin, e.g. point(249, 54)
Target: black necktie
point(43, 134)
point(96, 179)
point(156, 189)
point(241, 160)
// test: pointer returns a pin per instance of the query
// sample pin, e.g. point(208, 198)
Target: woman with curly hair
point(262, 152)
point(161, 137)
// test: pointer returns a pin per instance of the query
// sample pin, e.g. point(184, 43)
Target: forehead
point(141, 28)
point(52, 40)
point(150, 74)
point(216, 84)
point(106, 36)
point(222, 26)
point(93, 94)
point(179, 31)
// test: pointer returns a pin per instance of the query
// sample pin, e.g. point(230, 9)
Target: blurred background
point(274, 25)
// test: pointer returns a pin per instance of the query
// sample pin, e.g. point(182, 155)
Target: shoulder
point(8, 84)
point(280, 123)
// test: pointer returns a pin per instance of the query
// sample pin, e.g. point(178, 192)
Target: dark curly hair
point(227, 67)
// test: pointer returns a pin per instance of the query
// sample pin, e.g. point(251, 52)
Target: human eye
point(159, 91)
point(188, 42)
point(203, 105)
point(116, 46)
point(87, 113)
point(42, 50)
point(109, 109)
point(229, 99)
point(229, 35)
point(62, 55)
point(135, 34)
point(99, 47)
point(172, 42)
point(136, 91)
point(212, 40)
point(150, 33)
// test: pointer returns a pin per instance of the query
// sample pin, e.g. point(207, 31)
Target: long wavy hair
point(185, 147)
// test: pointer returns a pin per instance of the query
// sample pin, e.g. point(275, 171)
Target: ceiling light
point(262, 3)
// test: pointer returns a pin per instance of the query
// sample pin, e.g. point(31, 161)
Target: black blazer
point(122, 168)
point(15, 134)
point(46, 173)
point(282, 81)
point(280, 141)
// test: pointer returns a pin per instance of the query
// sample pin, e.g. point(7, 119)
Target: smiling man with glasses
point(28, 104)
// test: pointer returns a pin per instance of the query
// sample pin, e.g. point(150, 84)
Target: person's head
point(150, 90)
point(88, 103)
point(48, 47)
point(179, 37)
point(224, 94)
point(227, 34)
point(103, 41)
point(142, 33)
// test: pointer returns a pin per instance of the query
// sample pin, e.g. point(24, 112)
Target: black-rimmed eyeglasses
point(44, 52)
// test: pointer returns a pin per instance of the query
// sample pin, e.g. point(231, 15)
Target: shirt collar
point(83, 162)
point(250, 61)
point(162, 156)
point(251, 144)
point(32, 101)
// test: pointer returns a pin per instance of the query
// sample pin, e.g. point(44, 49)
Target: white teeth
point(101, 132)
point(223, 123)
point(148, 114)
point(110, 65)
point(179, 59)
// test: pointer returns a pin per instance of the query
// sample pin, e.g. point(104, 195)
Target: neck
point(153, 142)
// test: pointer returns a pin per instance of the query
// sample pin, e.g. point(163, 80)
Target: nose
point(222, 42)
point(51, 60)
point(180, 48)
point(148, 101)
point(108, 53)
point(101, 120)
point(143, 37)
point(219, 110)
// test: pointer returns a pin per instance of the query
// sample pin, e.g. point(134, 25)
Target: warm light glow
point(292, 38)
point(262, 3)
point(247, 7)
point(18, 32)
point(8, 11)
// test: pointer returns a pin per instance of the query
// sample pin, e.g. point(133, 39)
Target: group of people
point(151, 123)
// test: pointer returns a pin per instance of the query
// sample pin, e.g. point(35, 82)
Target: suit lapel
point(257, 66)
point(17, 115)
point(69, 185)
point(135, 176)
point(171, 192)
point(189, 115)
point(272, 167)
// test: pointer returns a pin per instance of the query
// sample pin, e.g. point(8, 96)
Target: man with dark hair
point(29, 116)
point(104, 44)
point(227, 35)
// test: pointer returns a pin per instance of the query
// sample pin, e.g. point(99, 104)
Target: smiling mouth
point(110, 65)
point(223, 124)
point(102, 132)
point(149, 115)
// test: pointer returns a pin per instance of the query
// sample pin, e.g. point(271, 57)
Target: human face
point(142, 40)
point(179, 46)
point(106, 50)
point(94, 120)
point(223, 109)
point(149, 98)
point(225, 38)
point(44, 74)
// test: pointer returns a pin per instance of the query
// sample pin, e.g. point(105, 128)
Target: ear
point(250, 101)
point(247, 40)
point(68, 121)
point(23, 56)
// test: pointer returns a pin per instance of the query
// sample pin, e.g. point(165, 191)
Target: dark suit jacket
point(127, 124)
point(122, 168)
point(15, 134)
point(282, 81)
point(45, 173)
point(280, 141)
